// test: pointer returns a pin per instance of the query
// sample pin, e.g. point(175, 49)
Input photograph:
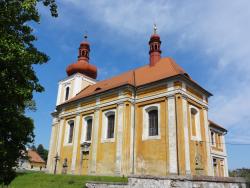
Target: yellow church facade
point(152, 120)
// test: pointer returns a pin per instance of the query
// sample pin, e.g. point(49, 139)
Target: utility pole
point(56, 159)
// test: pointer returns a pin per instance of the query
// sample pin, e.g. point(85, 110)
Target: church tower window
point(67, 93)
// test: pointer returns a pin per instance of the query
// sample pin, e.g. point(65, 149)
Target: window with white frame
point(70, 131)
point(195, 123)
point(87, 128)
point(109, 119)
point(151, 122)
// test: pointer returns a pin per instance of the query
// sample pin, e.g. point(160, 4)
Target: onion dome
point(82, 65)
point(155, 48)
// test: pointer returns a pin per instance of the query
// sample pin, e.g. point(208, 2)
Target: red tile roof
point(35, 157)
point(165, 68)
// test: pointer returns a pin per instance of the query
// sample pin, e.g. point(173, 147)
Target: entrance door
point(85, 162)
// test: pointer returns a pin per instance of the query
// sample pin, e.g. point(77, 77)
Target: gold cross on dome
point(155, 29)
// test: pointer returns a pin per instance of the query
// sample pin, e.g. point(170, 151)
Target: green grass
point(42, 180)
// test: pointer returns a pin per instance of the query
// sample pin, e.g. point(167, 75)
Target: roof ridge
point(173, 64)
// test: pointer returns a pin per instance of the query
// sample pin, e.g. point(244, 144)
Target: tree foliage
point(18, 80)
point(241, 172)
point(42, 152)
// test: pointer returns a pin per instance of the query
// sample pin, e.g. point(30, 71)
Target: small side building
point(34, 161)
point(218, 149)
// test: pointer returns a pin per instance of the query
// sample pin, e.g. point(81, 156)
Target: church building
point(152, 120)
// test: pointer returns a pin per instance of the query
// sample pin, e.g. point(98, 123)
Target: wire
point(227, 143)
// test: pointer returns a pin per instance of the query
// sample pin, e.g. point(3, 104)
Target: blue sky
point(210, 40)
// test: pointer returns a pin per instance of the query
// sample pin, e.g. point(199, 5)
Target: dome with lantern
point(82, 65)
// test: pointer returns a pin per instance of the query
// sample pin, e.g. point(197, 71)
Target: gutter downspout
point(134, 99)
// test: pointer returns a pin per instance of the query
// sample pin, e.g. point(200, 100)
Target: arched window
point(71, 131)
point(67, 93)
point(153, 122)
point(110, 125)
point(89, 129)
point(193, 121)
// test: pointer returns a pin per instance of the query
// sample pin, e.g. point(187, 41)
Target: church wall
point(106, 150)
point(79, 168)
point(66, 150)
point(108, 98)
point(151, 154)
point(198, 158)
point(126, 140)
point(180, 135)
point(88, 103)
point(194, 92)
point(153, 90)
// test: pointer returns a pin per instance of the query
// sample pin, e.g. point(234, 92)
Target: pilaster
point(172, 135)
point(94, 141)
point(186, 135)
point(132, 153)
point(75, 143)
point(209, 160)
point(119, 138)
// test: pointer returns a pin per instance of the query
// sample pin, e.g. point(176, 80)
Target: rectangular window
point(89, 129)
point(111, 126)
point(71, 131)
point(215, 167)
point(153, 122)
point(212, 138)
point(219, 141)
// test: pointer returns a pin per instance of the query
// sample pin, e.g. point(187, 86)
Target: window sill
point(158, 137)
point(107, 140)
point(86, 141)
point(68, 144)
point(195, 138)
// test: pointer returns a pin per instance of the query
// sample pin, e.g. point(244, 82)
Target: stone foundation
point(175, 181)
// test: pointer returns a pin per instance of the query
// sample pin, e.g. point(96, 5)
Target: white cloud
point(220, 29)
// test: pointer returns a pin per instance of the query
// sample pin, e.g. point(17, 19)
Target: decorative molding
point(105, 125)
point(66, 133)
point(145, 130)
point(84, 128)
point(168, 94)
point(197, 137)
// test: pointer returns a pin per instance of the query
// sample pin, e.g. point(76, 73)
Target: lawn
point(42, 180)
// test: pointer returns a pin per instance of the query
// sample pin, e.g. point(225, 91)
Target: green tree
point(42, 152)
point(18, 80)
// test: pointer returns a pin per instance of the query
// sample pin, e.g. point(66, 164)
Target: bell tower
point(155, 48)
point(80, 75)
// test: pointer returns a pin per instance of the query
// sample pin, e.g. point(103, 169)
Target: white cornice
point(124, 99)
